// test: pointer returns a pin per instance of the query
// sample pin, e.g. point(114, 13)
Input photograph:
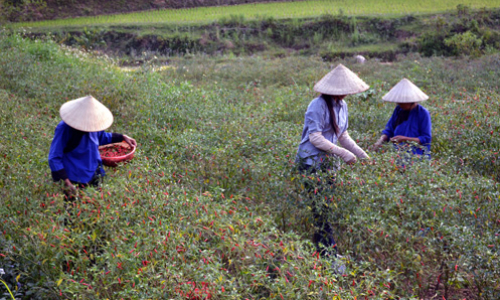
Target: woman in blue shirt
point(326, 121)
point(74, 155)
point(410, 122)
point(325, 124)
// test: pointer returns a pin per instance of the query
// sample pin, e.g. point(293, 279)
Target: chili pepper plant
point(213, 207)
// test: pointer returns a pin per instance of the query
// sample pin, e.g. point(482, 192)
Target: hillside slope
point(464, 32)
point(13, 10)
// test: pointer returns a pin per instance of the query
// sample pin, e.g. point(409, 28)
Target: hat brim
point(341, 81)
point(86, 114)
point(405, 92)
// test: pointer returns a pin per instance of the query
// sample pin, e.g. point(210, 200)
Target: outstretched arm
point(129, 140)
point(348, 143)
point(56, 153)
point(384, 138)
point(109, 138)
point(401, 138)
point(319, 141)
point(56, 157)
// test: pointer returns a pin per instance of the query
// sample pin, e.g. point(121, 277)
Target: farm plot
point(212, 207)
point(298, 9)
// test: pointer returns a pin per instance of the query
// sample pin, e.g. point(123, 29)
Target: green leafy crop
point(212, 206)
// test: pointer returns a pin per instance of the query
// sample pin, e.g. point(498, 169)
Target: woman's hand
point(368, 161)
point(375, 146)
point(379, 143)
point(346, 155)
point(70, 186)
point(352, 161)
point(398, 139)
point(401, 138)
point(130, 141)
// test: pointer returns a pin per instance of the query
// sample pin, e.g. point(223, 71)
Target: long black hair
point(329, 102)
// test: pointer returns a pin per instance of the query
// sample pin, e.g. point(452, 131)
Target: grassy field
point(461, 31)
point(212, 204)
point(297, 9)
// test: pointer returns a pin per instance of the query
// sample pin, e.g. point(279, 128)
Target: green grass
point(212, 195)
point(387, 51)
point(297, 9)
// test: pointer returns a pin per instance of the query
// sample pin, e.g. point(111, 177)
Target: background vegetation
point(212, 207)
point(284, 9)
point(36, 10)
point(464, 31)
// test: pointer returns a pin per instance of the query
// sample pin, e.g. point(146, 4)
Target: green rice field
point(276, 10)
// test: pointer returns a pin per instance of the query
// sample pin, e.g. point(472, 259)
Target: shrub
point(22, 10)
point(464, 44)
point(432, 43)
point(212, 202)
point(491, 37)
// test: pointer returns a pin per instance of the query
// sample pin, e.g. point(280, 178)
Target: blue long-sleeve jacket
point(77, 160)
point(418, 126)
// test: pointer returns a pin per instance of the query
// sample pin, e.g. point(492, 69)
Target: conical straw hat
point(86, 114)
point(340, 81)
point(405, 92)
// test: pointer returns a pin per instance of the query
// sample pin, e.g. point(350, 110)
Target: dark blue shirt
point(75, 154)
point(418, 125)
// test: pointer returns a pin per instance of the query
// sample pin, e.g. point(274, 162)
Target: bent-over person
point(74, 155)
point(410, 121)
point(325, 125)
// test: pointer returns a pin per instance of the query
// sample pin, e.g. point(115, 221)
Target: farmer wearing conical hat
point(74, 156)
point(410, 121)
point(325, 124)
point(326, 120)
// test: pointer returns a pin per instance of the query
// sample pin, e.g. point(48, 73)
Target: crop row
point(297, 9)
point(212, 204)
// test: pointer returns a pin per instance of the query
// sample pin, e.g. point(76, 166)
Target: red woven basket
point(113, 161)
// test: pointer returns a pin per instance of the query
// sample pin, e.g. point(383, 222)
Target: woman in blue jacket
point(410, 121)
point(74, 155)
